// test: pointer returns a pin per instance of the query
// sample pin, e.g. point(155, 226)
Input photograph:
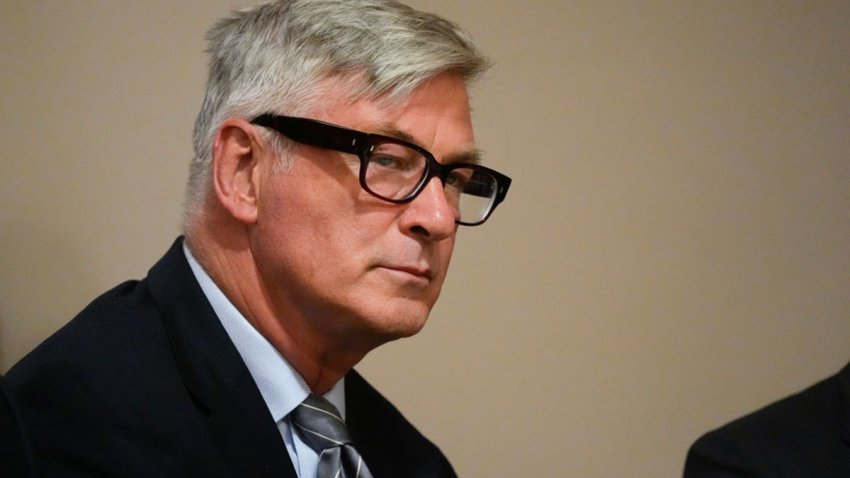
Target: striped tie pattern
point(321, 427)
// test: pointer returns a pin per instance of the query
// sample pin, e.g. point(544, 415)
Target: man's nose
point(430, 214)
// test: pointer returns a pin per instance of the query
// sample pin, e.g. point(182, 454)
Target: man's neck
point(317, 357)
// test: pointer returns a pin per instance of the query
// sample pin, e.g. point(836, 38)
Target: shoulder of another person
point(804, 434)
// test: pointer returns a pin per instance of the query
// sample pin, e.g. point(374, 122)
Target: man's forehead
point(463, 154)
point(440, 103)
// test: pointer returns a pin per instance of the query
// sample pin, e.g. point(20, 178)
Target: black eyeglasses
point(397, 171)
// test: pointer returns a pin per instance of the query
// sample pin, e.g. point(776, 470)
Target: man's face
point(338, 262)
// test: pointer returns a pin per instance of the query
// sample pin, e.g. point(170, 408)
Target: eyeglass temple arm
point(315, 133)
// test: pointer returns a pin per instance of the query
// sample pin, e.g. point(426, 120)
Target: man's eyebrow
point(472, 156)
point(392, 131)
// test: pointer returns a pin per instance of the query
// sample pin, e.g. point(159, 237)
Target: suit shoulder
point(116, 329)
point(789, 437)
point(815, 410)
point(103, 392)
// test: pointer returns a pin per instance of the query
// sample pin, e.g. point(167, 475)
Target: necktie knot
point(320, 424)
point(322, 428)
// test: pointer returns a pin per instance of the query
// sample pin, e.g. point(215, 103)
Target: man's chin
point(398, 326)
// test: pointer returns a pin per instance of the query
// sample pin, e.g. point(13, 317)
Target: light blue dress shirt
point(280, 384)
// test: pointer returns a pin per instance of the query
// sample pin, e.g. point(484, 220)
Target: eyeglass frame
point(334, 137)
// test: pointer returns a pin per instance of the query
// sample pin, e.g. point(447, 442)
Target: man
point(334, 161)
point(804, 435)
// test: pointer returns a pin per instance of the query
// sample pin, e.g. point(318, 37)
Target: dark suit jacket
point(145, 382)
point(804, 435)
point(15, 458)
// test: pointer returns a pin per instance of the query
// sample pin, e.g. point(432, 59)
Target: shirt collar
point(281, 386)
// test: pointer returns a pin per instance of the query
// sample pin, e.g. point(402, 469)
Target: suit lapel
point(215, 374)
point(364, 423)
point(390, 445)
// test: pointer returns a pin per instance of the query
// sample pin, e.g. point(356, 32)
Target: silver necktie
point(321, 427)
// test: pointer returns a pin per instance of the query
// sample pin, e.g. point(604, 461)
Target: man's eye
point(386, 161)
point(396, 162)
point(457, 179)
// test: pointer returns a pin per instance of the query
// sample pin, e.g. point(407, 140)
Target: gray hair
point(273, 58)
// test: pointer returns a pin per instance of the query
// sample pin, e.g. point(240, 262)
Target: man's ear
point(235, 170)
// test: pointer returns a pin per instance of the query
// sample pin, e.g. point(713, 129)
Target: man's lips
point(423, 272)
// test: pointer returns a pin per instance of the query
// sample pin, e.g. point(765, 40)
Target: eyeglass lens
point(394, 172)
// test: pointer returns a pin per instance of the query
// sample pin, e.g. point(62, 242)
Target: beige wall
point(674, 252)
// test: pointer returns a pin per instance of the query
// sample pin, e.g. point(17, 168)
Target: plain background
point(675, 250)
